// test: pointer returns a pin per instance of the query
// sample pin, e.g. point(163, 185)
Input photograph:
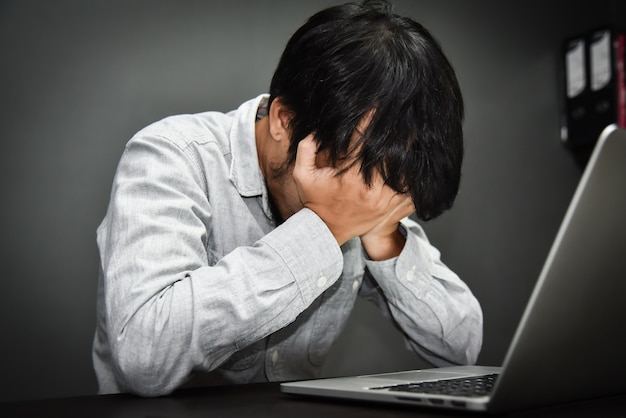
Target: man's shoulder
point(184, 130)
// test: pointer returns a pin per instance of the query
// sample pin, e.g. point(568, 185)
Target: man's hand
point(384, 241)
point(346, 204)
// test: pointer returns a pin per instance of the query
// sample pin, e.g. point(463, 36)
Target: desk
point(263, 400)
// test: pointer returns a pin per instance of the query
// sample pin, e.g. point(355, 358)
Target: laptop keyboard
point(467, 386)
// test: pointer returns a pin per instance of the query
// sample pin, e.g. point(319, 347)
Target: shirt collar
point(245, 172)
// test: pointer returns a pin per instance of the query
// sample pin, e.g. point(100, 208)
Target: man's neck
point(283, 196)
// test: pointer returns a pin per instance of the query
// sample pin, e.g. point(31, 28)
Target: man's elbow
point(142, 371)
point(470, 354)
point(466, 341)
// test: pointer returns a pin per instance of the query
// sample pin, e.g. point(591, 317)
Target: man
point(235, 244)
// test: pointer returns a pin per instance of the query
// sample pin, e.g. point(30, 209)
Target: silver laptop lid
point(572, 337)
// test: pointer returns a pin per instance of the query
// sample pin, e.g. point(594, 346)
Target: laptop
point(570, 343)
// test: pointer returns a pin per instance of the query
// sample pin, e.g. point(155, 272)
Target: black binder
point(594, 87)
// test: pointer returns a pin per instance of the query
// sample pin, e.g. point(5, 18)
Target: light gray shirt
point(196, 279)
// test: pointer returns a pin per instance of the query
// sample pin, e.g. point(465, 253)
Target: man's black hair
point(354, 60)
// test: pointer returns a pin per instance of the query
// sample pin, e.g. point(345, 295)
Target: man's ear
point(279, 118)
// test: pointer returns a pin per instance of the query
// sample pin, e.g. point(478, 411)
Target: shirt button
point(274, 357)
point(321, 282)
point(355, 286)
point(410, 275)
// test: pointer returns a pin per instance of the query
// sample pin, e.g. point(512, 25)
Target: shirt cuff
point(405, 270)
point(309, 251)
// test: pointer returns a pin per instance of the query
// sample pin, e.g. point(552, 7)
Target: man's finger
point(305, 157)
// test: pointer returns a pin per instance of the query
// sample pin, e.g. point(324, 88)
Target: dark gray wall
point(79, 78)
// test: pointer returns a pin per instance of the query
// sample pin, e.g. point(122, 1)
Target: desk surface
point(263, 400)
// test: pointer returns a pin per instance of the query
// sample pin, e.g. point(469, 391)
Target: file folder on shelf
point(594, 90)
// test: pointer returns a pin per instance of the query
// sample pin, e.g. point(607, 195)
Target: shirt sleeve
point(168, 311)
point(438, 314)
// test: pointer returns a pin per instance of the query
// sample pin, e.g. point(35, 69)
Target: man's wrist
point(383, 247)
